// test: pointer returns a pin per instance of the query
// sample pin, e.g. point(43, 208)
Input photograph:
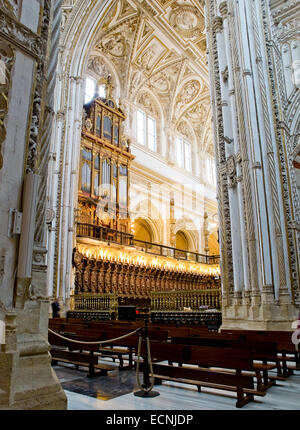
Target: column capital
point(217, 24)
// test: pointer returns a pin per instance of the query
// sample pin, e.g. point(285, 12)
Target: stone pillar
point(248, 143)
point(230, 151)
point(29, 382)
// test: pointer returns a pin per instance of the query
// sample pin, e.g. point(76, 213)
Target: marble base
point(263, 316)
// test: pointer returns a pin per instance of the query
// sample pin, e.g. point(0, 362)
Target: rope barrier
point(96, 342)
point(143, 334)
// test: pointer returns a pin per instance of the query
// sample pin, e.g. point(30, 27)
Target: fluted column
point(248, 144)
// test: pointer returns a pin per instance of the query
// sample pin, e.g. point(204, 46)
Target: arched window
point(211, 170)
point(145, 130)
point(183, 153)
point(91, 88)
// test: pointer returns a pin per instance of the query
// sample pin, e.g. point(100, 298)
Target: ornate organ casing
point(104, 167)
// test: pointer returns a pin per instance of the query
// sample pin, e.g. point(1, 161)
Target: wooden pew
point(115, 350)
point(266, 352)
point(284, 342)
point(221, 359)
point(77, 354)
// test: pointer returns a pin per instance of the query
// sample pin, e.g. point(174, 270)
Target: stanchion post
point(146, 366)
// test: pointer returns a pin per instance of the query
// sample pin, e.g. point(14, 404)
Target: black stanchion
point(146, 372)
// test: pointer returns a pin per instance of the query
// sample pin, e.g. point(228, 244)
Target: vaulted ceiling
point(158, 50)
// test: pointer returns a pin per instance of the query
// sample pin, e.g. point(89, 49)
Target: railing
point(211, 319)
point(94, 302)
point(110, 235)
point(179, 254)
point(178, 300)
point(105, 234)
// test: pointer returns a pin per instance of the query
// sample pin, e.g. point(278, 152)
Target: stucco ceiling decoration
point(97, 66)
point(160, 82)
point(151, 47)
point(146, 31)
point(148, 103)
point(186, 96)
point(187, 21)
point(115, 44)
point(149, 56)
point(185, 130)
point(199, 112)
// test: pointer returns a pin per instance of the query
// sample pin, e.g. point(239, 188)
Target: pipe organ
point(103, 195)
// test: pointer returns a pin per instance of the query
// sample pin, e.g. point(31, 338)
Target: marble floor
point(115, 392)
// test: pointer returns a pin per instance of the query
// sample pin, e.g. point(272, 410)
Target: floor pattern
point(115, 392)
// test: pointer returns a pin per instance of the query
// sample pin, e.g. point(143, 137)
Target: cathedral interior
point(149, 204)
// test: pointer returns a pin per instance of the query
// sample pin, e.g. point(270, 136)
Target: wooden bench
point(265, 352)
point(78, 354)
point(284, 342)
point(115, 349)
point(221, 359)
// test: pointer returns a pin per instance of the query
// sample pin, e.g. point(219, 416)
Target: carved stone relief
point(97, 66)
point(115, 44)
point(6, 64)
point(147, 101)
point(10, 6)
point(188, 21)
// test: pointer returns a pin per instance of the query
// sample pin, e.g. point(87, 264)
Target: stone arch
point(143, 230)
point(152, 97)
point(77, 40)
point(140, 210)
point(80, 34)
point(182, 241)
point(108, 67)
point(188, 228)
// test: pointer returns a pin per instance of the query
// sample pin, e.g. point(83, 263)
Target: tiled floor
point(115, 392)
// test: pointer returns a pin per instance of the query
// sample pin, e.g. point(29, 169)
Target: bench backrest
point(260, 350)
point(229, 358)
point(282, 338)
